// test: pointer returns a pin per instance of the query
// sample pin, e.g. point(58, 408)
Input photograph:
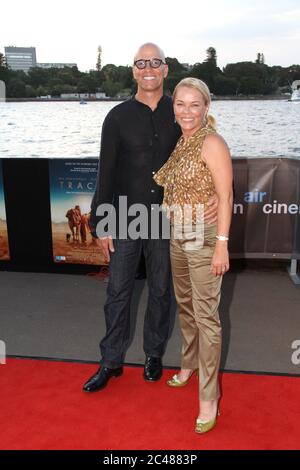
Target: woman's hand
point(220, 259)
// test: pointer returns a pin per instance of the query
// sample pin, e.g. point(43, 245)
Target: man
point(138, 136)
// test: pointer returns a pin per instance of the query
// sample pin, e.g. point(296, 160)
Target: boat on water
point(295, 96)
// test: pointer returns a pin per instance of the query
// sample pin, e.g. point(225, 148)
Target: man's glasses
point(154, 63)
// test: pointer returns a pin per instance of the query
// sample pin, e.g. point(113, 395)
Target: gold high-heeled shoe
point(175, 382)
point(205, 426)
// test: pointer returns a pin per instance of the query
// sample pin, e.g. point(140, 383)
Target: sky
point(67, 31)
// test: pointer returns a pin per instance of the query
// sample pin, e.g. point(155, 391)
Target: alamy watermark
point(2, 352)
point(139, 221)
point(2, 92)
point(295, 358)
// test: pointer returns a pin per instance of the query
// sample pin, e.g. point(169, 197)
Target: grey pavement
point(61, 316)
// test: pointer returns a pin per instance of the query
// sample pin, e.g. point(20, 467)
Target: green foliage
point(42, 91)
point(6, 74)
point(87, 84)
point(176, 73)
point(16, 88)
point(111, 88)
point(208, 72)
point(225, 85)
point(286, 75)
point(2, 60)
point(242, 78)
point(253, 78)
point(30, 92)
point(211, 56)
point(175, 67)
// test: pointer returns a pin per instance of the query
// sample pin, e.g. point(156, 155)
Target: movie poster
point(72, 185)
point(4, 248)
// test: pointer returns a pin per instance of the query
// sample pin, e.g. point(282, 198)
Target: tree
point(174, 66)
point(41, 91)
point(111, 88)
point(176, 73)
point(207, 72)
point(242, 77)
point(38, 76)
point(98, 77)
point(225, 85)
point(87, 84)
point(211, 56)
point(110, 72)
point(69, 75)
point(30, 91)
point(124, 76)
point(260, 58)
point(2, 60)
point(253, 78)
point(98, 64)
point(251, 86)
point(16, 88)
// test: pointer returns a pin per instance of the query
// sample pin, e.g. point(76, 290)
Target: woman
point(199, 167)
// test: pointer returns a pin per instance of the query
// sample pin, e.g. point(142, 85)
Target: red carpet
point(43, 407)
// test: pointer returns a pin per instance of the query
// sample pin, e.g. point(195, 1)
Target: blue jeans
point(159, 317)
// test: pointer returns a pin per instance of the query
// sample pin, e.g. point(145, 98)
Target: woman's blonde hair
point(199, 85)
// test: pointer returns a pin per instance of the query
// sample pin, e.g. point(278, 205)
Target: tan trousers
point(197, 293)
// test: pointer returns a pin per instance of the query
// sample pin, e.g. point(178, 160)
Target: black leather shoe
point(101, 378)
point(153, 368)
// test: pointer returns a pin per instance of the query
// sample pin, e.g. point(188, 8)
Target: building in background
point(20, 58)
point(93, 96)
point(57, 65)
point(23, 58)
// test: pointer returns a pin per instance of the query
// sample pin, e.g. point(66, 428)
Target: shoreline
point(101, 100)
point(64, 100)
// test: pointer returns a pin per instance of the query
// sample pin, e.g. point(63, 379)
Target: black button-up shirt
point(135, 143)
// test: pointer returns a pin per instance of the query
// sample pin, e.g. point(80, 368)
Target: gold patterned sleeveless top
point(186, 179)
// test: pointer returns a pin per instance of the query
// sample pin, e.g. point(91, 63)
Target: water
point(62, 129)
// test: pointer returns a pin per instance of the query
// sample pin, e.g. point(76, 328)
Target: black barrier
point(265, 221)
point(26, 187)
point(136, 458)
point(4, 245)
